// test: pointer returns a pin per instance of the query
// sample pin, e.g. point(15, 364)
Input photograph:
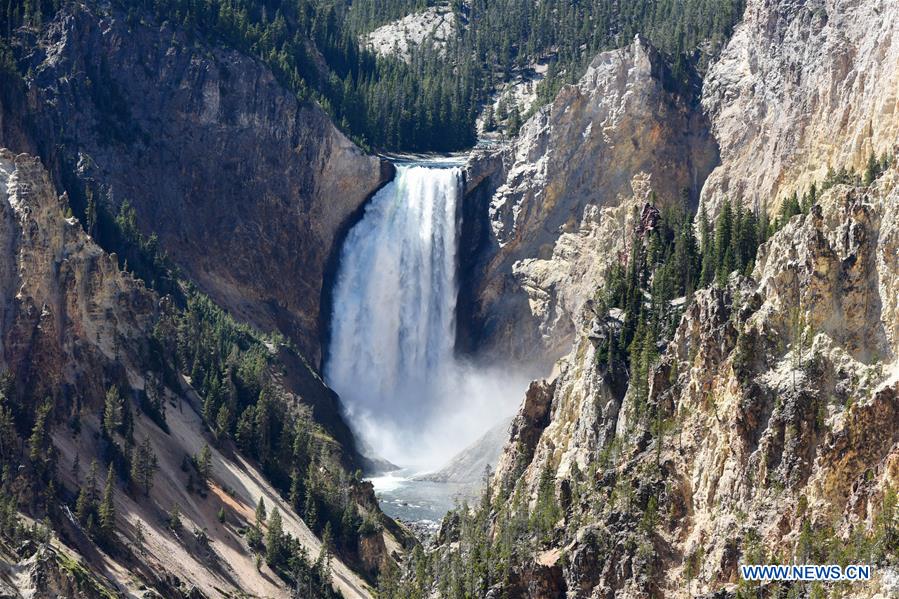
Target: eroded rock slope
point(801, 87)
point(74, 327)
point(569, 183)
point(769, 432)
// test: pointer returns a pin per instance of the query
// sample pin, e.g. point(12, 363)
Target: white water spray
point(393, 328)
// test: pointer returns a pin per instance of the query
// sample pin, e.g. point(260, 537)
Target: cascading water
point(393, 327)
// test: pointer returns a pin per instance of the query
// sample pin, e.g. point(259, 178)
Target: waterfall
point(394, 302)
point(393, 327)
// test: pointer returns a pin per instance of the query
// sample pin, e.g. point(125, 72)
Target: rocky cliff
point(59, 289)
point(566, 194)
point(769, 431)
point(433, 27)
point(766, 429)
point(248, 188)
point(74, 327)
point(801, 87)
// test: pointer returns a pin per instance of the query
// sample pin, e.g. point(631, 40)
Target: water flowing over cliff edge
point(393, 328)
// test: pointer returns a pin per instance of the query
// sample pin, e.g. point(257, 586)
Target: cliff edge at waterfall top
point(457, 300)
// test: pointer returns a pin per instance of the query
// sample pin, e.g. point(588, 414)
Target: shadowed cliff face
point(246, 187)
point(566, 193)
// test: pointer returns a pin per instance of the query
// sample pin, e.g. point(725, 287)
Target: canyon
point(371, 316)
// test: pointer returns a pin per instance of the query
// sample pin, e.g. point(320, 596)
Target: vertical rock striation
point(800, 87)
point(617, 138)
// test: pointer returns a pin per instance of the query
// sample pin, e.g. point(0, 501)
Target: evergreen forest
point(431, 102)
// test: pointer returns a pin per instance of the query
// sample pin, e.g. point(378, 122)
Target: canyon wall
point(801, 87)
point(249, 189)
point(773, 412)
point(74, 325)
point(768, 428)
point(566, 196)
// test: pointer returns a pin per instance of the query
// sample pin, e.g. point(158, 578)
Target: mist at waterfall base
point(393, 327)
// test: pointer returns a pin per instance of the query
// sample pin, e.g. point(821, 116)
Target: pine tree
point(643, 354)
point(144, 466)
point(502, 109)
point(686, 258)
point(648, 355)
point(204, 465)
point(223, 422)
point(724, 225)
point(489, 119)
point(748, 242)
point(39, 445)
point(707, 272)
point(106, 510)
point(113, 412)
point(214, 393)
point(514, 120)
point(8, 436)
point(274, 540)
point(139, 538)
point(175, 518)
point(254, 536)
point(323, 563)
point(612, 353)
point(246, 438)
point(91, 213)
point(263, 426)
point(310, 509)
point(86, 503)
point(871, 170)
point(546, 511)
point(295, 489)
point(260, 512)
point(789, 208)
